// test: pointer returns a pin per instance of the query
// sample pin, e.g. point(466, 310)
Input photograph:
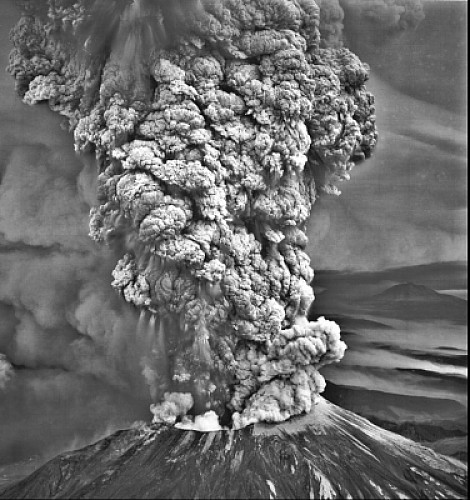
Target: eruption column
point(215, 126)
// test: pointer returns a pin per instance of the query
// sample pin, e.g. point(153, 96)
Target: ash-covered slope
point(330, 453)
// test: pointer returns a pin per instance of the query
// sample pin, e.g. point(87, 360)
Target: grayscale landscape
point(389, 255)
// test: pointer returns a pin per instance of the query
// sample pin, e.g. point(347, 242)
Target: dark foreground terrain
point(331, 453)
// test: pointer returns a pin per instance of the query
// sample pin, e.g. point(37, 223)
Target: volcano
point(409, 301)
point(416, 293)
point(329, 453)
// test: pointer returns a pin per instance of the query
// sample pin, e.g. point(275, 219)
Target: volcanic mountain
point(329, 453)
point(411, 301)
point(415, 293)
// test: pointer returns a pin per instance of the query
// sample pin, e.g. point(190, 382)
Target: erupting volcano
point(215, 125)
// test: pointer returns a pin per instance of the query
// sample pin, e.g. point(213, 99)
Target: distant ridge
point(412, 292)
point(432, 275)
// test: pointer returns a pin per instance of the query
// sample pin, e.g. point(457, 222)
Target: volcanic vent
point(215, 125)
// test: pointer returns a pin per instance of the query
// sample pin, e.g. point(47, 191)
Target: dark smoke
point(215, 126)
point(381, 19)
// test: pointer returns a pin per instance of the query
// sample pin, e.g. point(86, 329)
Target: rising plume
point(215, 126)
point(384, 18)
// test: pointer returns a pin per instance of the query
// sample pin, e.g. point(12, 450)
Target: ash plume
point(331, 23)
point(390, 15)
point(215, 126)
point(385, 17)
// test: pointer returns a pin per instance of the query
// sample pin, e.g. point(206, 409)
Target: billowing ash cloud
point(215, 125)
point(331, 23)
point(386, 17)
point(391, 15)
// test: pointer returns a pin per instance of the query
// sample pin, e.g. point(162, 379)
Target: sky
point(71, 340)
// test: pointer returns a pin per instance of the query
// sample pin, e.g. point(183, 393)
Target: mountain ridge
point(411, 291)
point(454, 273)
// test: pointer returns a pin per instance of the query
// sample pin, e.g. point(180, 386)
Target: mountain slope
point(329, 453)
